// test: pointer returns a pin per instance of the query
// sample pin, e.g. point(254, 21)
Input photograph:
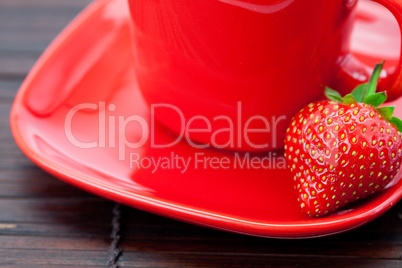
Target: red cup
point(231, 73)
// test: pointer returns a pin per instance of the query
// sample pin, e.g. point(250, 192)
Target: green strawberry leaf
point(366, 93)
point(386, 112)
point(349, 99)
point(333, 94)
point(372, 85)
point(359, 92)
point(376, 99)
point(397, 123)
point(365, 90)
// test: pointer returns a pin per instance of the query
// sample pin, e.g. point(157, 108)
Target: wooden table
point(46, 222)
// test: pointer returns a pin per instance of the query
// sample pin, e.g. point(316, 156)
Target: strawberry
point(343, 149)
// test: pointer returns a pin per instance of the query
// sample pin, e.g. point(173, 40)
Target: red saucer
point(90, 64)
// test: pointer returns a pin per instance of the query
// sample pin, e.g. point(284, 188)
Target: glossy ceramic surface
point(90, 65)
point(273, 56)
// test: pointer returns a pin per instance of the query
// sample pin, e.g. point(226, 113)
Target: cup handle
point(353, 72)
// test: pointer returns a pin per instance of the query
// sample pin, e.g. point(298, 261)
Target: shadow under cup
point(231, 73)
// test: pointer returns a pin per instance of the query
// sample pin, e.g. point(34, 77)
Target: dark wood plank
point(15, 160)
point(51, 266)
point(27, 27)
point(79, 229)
point(31, 181)
point(32, 257)
point(45, 4)
point(56, 210)
point(49, 243)
point(29, 42)
point(27, 175)
point(43, 221)
point(16, 66)
point(269, 247)
point(8, 90)
point(39, 190)
point(181, 259)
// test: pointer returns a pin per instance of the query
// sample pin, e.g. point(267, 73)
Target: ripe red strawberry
point(342, 150)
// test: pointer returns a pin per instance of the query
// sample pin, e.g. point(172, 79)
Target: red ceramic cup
point(231, 73)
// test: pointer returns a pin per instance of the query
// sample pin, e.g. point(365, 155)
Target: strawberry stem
point(372, 85)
